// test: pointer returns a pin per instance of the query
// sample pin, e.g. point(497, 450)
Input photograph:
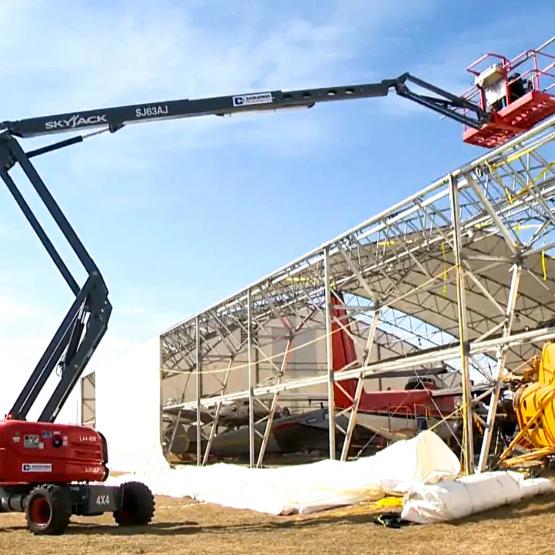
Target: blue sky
point(181, 214)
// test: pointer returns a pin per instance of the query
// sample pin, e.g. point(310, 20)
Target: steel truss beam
point(434, 357)
point(416, 279)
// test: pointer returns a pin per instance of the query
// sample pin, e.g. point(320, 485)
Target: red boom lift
point(50, 471)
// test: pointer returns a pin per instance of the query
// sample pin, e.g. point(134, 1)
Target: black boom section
point(445, 103)
point(87, 319)
point(115, 118)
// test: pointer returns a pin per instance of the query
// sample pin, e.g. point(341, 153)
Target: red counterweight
point(39, 452)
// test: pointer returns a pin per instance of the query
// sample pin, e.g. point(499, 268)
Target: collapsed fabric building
point(454, 282)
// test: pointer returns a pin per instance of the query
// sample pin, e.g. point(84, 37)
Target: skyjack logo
point(76, 120)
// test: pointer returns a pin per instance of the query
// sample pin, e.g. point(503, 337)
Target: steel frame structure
point(461, 271)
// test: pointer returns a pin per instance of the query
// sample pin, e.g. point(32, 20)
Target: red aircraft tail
point(402, 402)
point(344, 352)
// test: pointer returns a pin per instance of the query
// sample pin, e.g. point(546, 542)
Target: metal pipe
point(329, 356)
point(216, 416)
point(267, 430)
point(501, 357)
point(468, 443)
point(400, 209)
point(251, 379)
point(198, 388)
point(352, 419)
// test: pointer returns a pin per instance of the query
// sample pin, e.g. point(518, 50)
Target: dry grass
point(182, 526)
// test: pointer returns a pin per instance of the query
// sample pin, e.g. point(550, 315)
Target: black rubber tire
point(137, 505)
point(48, 509)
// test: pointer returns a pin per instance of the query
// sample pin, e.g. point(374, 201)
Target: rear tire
point(137, 505)
point(48, 510)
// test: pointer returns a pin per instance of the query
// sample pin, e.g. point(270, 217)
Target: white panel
point(128, 406)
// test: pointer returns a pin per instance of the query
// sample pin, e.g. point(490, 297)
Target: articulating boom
point(115, 118)
point(86, 321)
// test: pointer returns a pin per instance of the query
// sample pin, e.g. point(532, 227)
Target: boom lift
point(46, 468)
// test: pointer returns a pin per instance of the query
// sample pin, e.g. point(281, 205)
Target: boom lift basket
point(518, 93)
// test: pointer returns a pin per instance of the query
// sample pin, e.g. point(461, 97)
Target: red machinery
point(46, 470)
point(50, 452)
point(517, 93)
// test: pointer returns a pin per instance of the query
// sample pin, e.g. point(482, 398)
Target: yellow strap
point(386, 243)
point(544, 266)
point(515, 156)
point(521, 227)
point(444, 273)
point(509, 196)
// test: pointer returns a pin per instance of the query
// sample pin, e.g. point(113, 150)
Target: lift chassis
point(48, 507)
point(48, 472)
point(46, 468)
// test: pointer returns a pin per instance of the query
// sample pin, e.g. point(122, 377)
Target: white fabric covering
point(310, 487)
point(128, 414)
point(428, 503)
point(128, 406)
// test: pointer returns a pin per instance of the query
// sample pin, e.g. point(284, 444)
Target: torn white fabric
point(451, 500)
point(310, 487)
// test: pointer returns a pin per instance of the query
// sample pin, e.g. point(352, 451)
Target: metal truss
point(460, 274)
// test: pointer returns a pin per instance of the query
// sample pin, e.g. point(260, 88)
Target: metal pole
point(198, 383)
point(371, 336)
point(268, 429)
point(352, 419)
point(273, 406)
point(329, 356)
point(468, 444)
point(214, 427)
point(251, 380)
point(501, 356)
point(174, 433)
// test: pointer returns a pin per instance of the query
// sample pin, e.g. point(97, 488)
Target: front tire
point(137, 505)
point(48, 510)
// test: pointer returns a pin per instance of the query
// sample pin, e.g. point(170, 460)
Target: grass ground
point(183, 526)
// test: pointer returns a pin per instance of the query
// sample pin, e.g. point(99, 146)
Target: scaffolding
point(459, 274)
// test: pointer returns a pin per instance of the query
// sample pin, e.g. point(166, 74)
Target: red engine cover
point(38, 452)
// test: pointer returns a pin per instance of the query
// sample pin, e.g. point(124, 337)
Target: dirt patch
point(183, 526)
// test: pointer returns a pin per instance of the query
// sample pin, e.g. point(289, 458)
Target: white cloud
point(14, 310)
point(144, 52)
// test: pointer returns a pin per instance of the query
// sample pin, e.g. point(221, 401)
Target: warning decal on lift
point(31, 441)
point(251, 99)
point(36, 467)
